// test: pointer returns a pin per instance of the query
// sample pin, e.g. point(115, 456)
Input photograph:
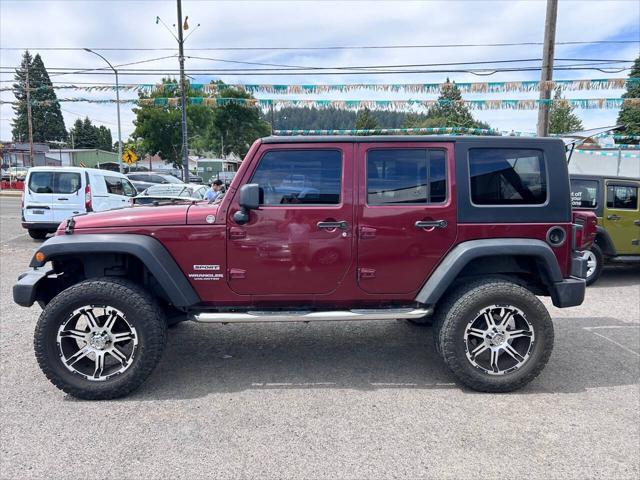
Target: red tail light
point(87, 198)
point(584, 229)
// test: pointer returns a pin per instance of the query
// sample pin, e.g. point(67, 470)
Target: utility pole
point(29, 121)
point(546, 74)
point(183, 95)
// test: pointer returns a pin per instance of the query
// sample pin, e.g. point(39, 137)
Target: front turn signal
point(39, 256)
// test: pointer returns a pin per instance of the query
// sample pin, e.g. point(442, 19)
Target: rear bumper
point(50, 226)
point(24, 291)
point(569, 292)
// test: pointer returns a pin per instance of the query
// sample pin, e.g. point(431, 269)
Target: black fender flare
point(606, 244)
point(147, 249)
point(447, 271)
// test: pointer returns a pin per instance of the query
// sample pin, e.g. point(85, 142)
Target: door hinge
point(366, 273)
point(367, 232)
point(237, 233)
point(237, 273)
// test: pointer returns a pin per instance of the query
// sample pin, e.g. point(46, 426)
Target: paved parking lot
point(345, 400)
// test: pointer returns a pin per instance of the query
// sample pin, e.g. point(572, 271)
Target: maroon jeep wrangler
point(460, 232)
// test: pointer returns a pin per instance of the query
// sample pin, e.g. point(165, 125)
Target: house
point(81, 157)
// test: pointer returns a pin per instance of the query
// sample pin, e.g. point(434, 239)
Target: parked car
point(466, 231)
point(170, 193)
point(53, 194)
point(615, 202)
point(14, 173)
point(143, 180)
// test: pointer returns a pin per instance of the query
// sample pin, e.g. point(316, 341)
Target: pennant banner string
point(473, 87)
point(354, 105)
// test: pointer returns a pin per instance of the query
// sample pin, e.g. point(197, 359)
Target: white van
point(53, 194)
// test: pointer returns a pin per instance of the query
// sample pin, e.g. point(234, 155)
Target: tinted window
point(114, 185)
point(41, 182)
point(507, 176)
point(622, 197)
point(55, 182)
point(138, 177)
point(401, 176)
point(129, 189)
point(584, 193)
point(300, 177)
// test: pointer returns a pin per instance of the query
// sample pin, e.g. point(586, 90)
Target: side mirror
point(249, 200)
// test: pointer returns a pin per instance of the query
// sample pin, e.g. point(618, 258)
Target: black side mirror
point(249, 200)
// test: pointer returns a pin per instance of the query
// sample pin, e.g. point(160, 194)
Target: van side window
point(505, 176)
point(406, 176)
point(584, 193)
point(299, 177)
point(114, 185)
point(622, 197)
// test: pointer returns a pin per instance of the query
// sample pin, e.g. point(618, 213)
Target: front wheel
point(495, 336)
point(100, 339)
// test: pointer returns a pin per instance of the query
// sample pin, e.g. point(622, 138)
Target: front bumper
point(25, 289)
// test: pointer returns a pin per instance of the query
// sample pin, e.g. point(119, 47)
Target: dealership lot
point(339, 400)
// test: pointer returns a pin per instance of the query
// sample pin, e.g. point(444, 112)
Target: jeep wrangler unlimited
point(463, 231)
point(614, 200)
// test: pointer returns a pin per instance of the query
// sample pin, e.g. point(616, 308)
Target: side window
point(128, 188)
point(312, 177)
point(503, 176)
point(114, 185)
point(41, 182)
point(622, 197)
point(66, 182)
point(406, 176)
point(584, 193)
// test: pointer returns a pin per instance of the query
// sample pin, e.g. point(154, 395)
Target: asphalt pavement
point(333, 400)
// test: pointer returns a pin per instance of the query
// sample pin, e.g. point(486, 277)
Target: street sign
point(129, 157)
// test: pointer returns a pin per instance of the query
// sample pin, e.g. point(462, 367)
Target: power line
point(334, 47)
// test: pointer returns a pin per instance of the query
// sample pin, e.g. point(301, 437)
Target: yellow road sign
point(129, 157)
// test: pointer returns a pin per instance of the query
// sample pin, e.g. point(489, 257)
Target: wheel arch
point(102, 255)
point(604, 241)
point(528, 262)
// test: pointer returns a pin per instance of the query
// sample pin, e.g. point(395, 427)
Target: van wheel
point(595, 262)
point(100, 339)
point(495, 336)
point(38, 234)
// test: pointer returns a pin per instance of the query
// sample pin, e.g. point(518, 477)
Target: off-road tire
point(142, 312)
point(458, 309)
point(38, 234)
point(599, 256)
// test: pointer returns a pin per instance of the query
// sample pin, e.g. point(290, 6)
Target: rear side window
point(503, 176)
point(119, 186)
point(584, 193)
point(55, 182)
point(406, 176)
point(312, 177)
point(622, 197)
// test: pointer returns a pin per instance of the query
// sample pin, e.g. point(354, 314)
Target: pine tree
point(105, 142)
point(47, 120)
point(630, 115)
point(450, 111)
point(561, 117)
point(365, 120)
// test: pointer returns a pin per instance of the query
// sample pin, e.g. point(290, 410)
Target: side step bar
point(312, 316)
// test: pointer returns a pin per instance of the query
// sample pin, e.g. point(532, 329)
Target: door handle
point(613, 217)
point(342, 224)
point(62, 198)
point(637, 222)
point(431, 224)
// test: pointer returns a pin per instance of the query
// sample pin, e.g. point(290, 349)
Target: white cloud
point(132, 24)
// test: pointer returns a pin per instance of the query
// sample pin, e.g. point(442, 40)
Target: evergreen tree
point(630, 115)
point(86, 135)
point(365, 120)
point(561, 117)
point(105, 141)
point(46, 118)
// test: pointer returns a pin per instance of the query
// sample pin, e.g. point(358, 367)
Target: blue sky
point(28, 23)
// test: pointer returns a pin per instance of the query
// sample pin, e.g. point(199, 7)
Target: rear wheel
point(595, 262)
point(100, 339)
point(494, 335)
point(38, 234)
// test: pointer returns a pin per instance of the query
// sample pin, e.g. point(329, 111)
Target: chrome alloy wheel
point(499, 339)
point(97, 342)
point(592, 262)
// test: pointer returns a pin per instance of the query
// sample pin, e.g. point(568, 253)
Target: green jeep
point(615, 202)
